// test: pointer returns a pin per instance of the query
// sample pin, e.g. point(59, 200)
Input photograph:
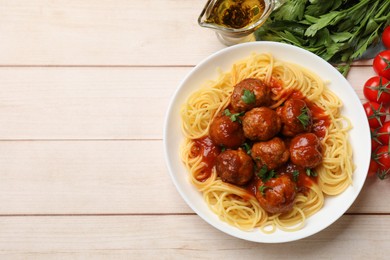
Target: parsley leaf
point(292, 10)
point(304, 117)
point(331, 18)
point(310, 173)
point(295, 175)
point(262, 189)
point(262, 171)
point(319, 7)
point(247, 148)
point(234, 117)
point(266, 175)
point(248, 97)
point(227, 112)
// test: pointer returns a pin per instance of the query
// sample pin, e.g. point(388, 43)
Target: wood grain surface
point(84, 88)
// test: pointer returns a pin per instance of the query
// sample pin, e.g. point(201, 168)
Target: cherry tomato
point(375, 143)
point(377, 89)
point(376, 114)
point(383, 133)
point(373, 168)
point(386, 37)
point(383, 155)
point(382, 64)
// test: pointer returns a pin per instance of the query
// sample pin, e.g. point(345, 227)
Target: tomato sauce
point(251, 188)
point(209, 151)
point(321, 120)
point(276, 85)
point(299, 175)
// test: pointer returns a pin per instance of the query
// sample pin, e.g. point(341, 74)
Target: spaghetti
point(234, 204)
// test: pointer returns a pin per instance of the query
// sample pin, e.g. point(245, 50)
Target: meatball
point(261, 124)
point(250, 93)
point(277, 194)
point(272, 153)
point(299, 175)
point(224, 132)
point(296, 117)
point(306, 150)
point(234, 166)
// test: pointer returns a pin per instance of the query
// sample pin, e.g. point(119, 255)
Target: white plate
point(334, 207)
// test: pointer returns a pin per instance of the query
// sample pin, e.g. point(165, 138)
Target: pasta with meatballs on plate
point(265, 143)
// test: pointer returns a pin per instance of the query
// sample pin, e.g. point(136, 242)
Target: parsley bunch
point(339, 31)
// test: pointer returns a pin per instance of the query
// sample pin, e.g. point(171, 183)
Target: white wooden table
point(84, 87)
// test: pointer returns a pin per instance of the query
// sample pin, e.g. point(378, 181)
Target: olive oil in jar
point(236, 13)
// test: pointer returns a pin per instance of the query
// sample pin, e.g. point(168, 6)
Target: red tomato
point(375, 143)
point(384, 133)
point(386, 37)
point(383, 155)
point(382, 64)
point(377, 89)
point(376, 114)
point(372, 170)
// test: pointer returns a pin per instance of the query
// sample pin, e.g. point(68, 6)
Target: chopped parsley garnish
point(304, 117)
point(266, 175)
point(262, 189)
point(262, 171)
point(310, 173)
point(247, 148)
point(295, 175)
point(234, 117)
point(248, 97)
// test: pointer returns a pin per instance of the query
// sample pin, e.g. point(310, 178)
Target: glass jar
point(235, 21)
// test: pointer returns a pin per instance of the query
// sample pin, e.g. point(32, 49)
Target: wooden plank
point(107, 177)
point(180, 237)
point(77, 177)
point(85, 103)
point(104, 32)
point(95, 103)
point(358, 76)
point(371, 197)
